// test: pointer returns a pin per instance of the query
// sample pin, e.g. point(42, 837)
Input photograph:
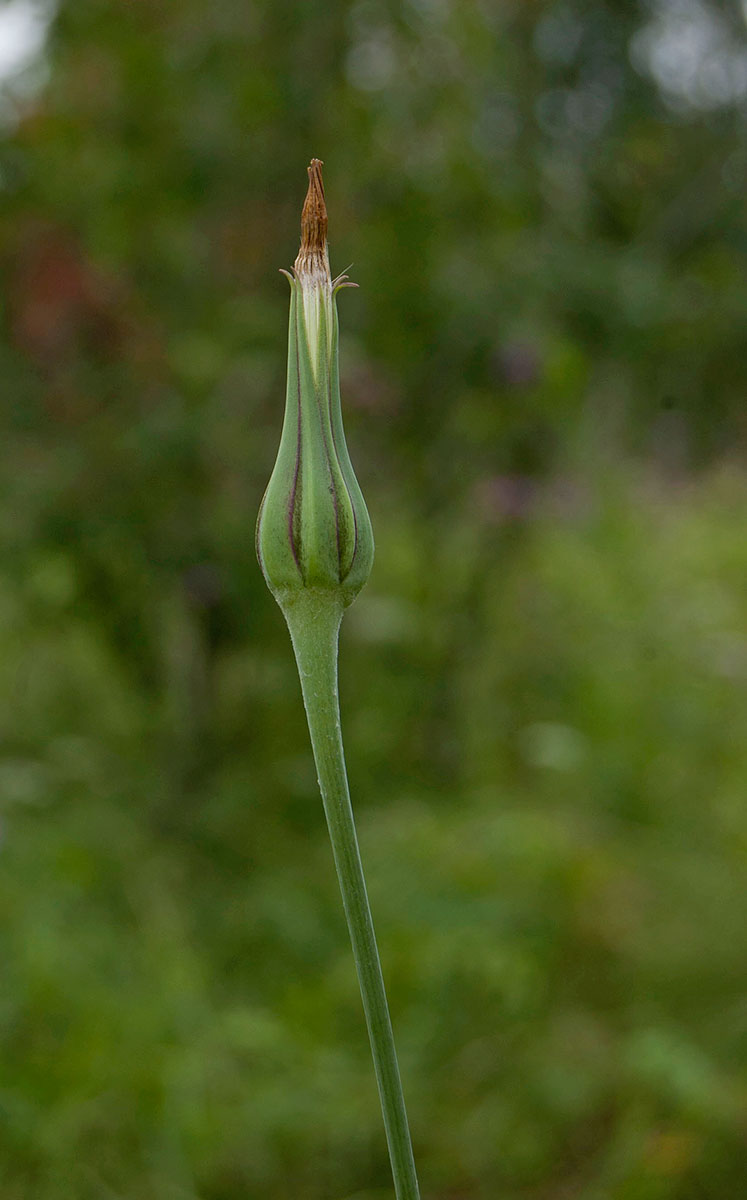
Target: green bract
point(313, 529)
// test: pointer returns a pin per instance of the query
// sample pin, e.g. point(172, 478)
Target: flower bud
point(313, 529)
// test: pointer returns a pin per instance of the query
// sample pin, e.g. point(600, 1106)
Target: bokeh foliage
point(544, 684)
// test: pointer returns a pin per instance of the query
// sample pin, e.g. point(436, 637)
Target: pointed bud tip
point(314, 214)
point(312, 257)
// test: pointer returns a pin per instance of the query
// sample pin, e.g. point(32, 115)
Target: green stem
point(314, 621)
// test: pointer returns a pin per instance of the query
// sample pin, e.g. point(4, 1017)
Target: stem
point(314, 621)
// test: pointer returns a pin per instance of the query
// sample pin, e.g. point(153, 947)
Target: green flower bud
point(313, 529)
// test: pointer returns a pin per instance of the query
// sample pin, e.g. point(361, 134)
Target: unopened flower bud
point(313, 529)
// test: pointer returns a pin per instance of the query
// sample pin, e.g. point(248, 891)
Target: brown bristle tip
point(314, 214)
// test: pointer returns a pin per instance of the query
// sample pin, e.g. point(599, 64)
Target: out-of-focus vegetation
point(545, 684)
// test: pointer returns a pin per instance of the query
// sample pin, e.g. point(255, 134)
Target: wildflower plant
point(315, 547)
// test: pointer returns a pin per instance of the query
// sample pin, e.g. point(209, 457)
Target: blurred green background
point(544, 684)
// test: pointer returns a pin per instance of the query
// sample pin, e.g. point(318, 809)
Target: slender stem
point(314, 620)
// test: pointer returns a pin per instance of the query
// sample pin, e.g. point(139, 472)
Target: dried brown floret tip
point(312, 257)
point(314, 215)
